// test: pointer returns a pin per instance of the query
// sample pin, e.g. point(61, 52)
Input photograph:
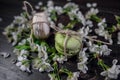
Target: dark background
point(10, 8)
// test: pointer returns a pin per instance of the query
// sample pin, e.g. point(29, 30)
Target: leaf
point(95, 18)
point(51, 50)
point(111, 29)
point(54, 15)
point(71, 24)
point(21, 47)
point(66, 10)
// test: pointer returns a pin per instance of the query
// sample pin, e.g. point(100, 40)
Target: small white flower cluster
point(89, 5)
point(52, 77)
point(59, 10)
point(19, 19)
point(41, 62)
point(83, 61)
point(71, 5)
point(102, 32)
point(38, 5)
point(42, 65)
point(60, 25)
point(113, 72)
point(92, 11)
point(89, 23)
point(15, 33)
point(23, 62)
point(50, 7)
point(42, 52)
point(60, 59)
point(84, 31)
point(74, 76)
point(75, 12)
point(101, 50)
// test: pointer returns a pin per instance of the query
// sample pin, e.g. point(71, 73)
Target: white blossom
point(102, 23)
point(22, 56)
point(83, 61)
point(18, 64)
point(71, 5)
point(113, 72)
point(22, 42)
point(42, 65)
point(50, 9)
point(60, 25)
point(89, 23)
point(40, 3)
point(19, 20)
point(45, 67)
point(81, 17)
point(50, 3)
point(105, 50)
point(25, 68)
point(37, 7)
point(72, 14)
point(60, 59)
point(52, 76)
point(92, 11)
point(88, 5)
point(42, 52)
point(101, 30)
point(84, 31)
point(94, 4)
point(101, 50)
point(59, 10)
point(74, 76)
point(15, 38)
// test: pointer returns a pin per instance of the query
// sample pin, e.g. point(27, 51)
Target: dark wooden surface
point(10, 8)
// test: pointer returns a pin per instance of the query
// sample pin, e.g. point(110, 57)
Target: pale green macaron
point(73, 44)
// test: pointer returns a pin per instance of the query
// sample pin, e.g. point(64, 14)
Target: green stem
point(56, 71)
point(95, 18)
point(102, 64)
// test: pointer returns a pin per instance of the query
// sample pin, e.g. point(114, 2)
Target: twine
point(25, 5)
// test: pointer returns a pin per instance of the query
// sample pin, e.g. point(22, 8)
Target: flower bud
point(41, 27)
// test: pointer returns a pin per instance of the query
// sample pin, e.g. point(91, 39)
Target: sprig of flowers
point(113, 72)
